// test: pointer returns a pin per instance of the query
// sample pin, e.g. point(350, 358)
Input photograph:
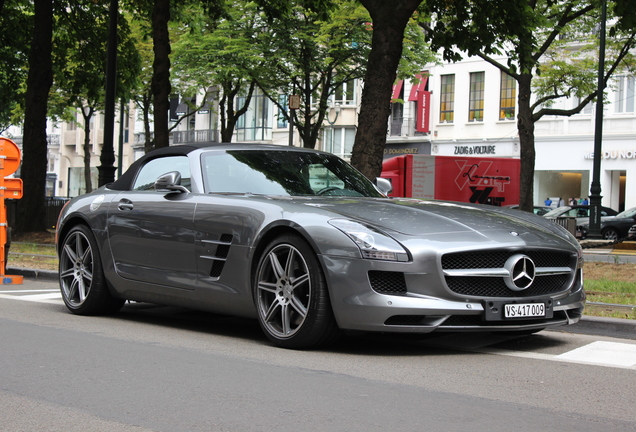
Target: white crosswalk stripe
point(41, 296)
point(605, 353)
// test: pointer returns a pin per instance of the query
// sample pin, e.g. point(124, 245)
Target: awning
point(397, 89)
point(416, 89)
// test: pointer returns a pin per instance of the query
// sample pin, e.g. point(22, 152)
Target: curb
point(600, 326)
point(37, 274)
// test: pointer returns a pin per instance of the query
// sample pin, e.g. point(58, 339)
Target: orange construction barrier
point(9, 188)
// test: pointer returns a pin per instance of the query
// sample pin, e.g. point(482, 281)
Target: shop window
point(476, 97)
point(508, 97)
point(447, 99)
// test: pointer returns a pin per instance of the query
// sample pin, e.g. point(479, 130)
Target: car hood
point(435, 219)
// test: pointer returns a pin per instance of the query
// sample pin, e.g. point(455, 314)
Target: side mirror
point(170, 182)
point(383, 185)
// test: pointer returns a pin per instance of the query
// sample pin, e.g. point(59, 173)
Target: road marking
point(601, 352)
point(39, 296)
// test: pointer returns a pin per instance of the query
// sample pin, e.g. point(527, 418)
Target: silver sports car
point(307, 245)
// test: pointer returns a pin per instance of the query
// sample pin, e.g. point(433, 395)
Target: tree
point(159, 13)
point(80, 46)
point(211, 54)
point(312, 54)
point(533, 36)
point(31, 211)
point(389, 19)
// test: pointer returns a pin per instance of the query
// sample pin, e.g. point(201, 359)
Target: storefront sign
point(475, 150)
point(613, 154)
point(423, 115)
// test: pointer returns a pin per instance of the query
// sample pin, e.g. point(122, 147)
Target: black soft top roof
point(126, 180)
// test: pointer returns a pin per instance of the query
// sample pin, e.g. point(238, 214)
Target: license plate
point(524, 310)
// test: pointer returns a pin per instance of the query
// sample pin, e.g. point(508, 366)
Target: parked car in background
point(304, 243)
point(580, 212)
point(613, 227)
point(538, 210)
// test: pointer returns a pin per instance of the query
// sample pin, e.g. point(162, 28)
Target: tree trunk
point(87, 149)
point(149, 143)
point(389, 21)
point(31, 211)
point(161, 71)
point(525, 127)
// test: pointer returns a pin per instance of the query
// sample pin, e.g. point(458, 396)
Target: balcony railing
point(192, 136)
point(401, 127)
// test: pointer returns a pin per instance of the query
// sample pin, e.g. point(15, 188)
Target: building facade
point(461, 109)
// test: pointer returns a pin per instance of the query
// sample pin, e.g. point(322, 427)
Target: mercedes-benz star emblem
point(521, 272)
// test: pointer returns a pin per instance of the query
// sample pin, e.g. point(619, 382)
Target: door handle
point(125, 204)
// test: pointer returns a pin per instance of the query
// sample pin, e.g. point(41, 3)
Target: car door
point(151, 233)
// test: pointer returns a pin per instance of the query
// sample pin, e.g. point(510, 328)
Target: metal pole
point(122, 119)
point(107, 158)
point(595, 189)
point(291, 127)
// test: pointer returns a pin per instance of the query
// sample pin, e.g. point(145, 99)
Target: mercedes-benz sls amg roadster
point(304, 243)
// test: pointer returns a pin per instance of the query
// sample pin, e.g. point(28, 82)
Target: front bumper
point(358, 307)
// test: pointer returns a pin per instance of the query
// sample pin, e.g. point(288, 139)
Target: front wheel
point(82, 282)
point(291, 295)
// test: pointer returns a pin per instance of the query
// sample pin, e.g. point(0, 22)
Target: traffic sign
point(10, 153)
point(9, 188)
point(294, 101)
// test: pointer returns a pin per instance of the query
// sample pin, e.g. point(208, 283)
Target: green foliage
point(16, 21)
point(80, 46)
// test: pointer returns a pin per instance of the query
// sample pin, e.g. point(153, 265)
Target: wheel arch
point(69, 224)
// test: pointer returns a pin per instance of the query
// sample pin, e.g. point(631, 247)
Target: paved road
point(153, 368)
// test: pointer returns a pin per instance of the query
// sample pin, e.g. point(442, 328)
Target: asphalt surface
point(611, 327)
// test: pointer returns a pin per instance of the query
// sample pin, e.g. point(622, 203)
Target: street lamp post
point(595, 189)
point(107, 158)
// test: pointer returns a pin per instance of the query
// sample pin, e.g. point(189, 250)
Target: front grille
point(383, 282)
point(497, 259)
point(495, 286)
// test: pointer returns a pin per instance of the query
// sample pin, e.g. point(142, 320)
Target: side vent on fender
point(221, 249)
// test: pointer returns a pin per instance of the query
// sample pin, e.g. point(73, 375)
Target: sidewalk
point(596, 326)
point(619, 253)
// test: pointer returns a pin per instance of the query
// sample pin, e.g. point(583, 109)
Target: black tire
point(82, 282)
point(291, 295)
point(610, 234)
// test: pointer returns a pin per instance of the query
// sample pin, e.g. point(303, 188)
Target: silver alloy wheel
point(76, 268)
point(283, 290)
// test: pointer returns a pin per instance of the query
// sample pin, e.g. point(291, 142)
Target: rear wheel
point(610, 234)
point(82, 282)
point(291, 295)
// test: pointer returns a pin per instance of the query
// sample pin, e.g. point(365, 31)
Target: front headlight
point(372, 243)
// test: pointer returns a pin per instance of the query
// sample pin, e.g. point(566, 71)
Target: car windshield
point(288, 173)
